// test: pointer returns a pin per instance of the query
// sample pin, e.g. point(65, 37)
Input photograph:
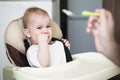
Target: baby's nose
point(45, 31)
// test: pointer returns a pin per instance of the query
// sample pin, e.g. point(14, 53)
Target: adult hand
point(102, 28)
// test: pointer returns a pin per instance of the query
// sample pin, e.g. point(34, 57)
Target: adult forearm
point(113, 53)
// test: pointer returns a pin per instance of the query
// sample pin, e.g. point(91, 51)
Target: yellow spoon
point(89, 13)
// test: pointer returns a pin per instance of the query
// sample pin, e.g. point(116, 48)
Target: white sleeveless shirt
point(57, 55)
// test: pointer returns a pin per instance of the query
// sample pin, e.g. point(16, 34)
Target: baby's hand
point(66, 42)
point(42, 38)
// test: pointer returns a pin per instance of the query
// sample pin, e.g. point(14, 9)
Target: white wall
point(10, 10)
point(56, 11)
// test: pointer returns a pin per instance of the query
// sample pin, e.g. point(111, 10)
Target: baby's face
point(39, 26)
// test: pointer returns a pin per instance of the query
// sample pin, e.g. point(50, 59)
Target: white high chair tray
point(87, 66)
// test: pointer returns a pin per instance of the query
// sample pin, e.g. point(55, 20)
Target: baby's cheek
point(49, 38)
point(37, 39)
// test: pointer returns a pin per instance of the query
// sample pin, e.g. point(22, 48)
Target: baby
point(43, 52)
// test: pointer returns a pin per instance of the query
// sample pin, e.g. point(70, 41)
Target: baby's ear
point(27, 32)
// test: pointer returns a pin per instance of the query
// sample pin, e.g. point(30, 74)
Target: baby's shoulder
point(32, 47)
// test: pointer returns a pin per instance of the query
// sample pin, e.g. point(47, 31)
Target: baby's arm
point(43, 50)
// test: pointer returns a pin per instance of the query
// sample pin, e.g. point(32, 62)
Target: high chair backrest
point(15, 44)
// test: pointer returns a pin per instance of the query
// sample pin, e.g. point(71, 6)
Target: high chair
point(85, 66)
